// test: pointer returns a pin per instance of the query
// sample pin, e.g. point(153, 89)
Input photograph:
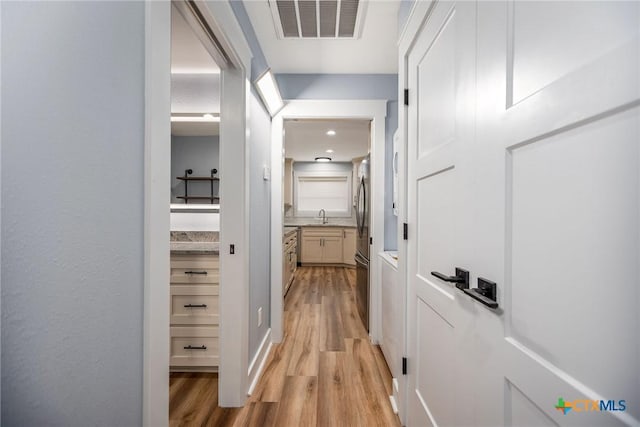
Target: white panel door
point(556, 208)
point(441, 78)
point(523, 167)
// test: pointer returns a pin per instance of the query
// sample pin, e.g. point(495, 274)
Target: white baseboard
point(257, 364)
point(394, 406)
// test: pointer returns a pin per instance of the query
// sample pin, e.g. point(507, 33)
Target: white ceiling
point(376, 52)
point(195, 80)
point(307, 139)
point(188, 56)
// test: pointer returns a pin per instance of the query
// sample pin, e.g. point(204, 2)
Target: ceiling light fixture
point(323, 159)
point(329, 150)
point(268, 91)
point(331, 132)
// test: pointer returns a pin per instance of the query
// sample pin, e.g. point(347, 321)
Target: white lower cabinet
point(349, 246)
point(194, 312)
point(328, 245)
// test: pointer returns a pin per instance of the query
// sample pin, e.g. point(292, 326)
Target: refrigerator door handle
point(361, 260)
point(362, 199)
point(357, 211)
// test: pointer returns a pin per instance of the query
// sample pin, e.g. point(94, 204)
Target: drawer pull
point(195, 306)
point(190, 347)
point(196, 272)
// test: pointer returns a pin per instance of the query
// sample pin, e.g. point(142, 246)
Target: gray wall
point(199, 153)
point(260, 223)
point(258, 62)
point(355, 86)
point(72, 211)
point(323, 167)
point(260, 192)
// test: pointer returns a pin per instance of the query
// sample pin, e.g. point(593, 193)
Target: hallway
point(325, 372)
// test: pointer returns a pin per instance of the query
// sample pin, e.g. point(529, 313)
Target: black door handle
point(461, 279)
point(485, 293)
point(196, 272)
point(195, 306)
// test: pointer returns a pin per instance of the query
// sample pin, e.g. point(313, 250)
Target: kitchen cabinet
point(349, 246)
point(289, 259)
point(326, 245)
point(311, 248)
point(194, 312)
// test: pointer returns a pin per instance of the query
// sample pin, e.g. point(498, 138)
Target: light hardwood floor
point(324, 373)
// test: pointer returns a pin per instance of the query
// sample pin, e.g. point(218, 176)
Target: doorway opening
point(221, 36)
point(194, 289)
point(326, 190)
point(295, 114)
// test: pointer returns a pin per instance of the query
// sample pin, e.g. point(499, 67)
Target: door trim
point(374, 110)
point(233, 154)
point(416, 20)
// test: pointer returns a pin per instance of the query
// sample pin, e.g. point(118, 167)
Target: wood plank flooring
point(324, 373)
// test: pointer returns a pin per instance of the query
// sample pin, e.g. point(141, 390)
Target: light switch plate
point(266, 173)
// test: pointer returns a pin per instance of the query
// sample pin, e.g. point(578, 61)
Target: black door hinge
point(371, 240)
point(405, 231)
point(406, 97)
point(232, 249)
point(404, 366)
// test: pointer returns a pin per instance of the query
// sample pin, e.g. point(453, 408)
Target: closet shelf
point(198, 197)
point(186, 178)
point(197, 178)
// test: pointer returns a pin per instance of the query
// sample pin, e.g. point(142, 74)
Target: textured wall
point(199, 153)
point(72, 213)
point(260, 223)
point(194, 93)
point(355, 86)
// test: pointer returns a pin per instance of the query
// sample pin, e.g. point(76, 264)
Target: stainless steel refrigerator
point(362, 253)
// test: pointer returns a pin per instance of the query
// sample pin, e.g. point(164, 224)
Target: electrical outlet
point(259, 317)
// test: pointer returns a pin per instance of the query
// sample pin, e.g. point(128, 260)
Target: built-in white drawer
point(194, 346)
point(194, 269)
point(194, 305)
point(321, 232)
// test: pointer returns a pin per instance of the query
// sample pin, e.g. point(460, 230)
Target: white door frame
point(234, 199)
point(417, 18)
point(374, 110)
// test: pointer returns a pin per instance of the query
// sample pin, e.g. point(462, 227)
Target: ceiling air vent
point(324, 19)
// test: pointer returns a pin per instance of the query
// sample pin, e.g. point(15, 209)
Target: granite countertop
point(315, 222)
point(195, 242)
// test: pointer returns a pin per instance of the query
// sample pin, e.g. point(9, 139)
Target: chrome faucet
point(323, 214)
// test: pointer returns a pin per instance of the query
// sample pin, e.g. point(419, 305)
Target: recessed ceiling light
point(323, 159)
point(331, 132)
point(329, 150)
point(208, 116)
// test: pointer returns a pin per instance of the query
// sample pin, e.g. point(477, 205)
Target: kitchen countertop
point(315, 222)
point(195, 242)
point(195, 248)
